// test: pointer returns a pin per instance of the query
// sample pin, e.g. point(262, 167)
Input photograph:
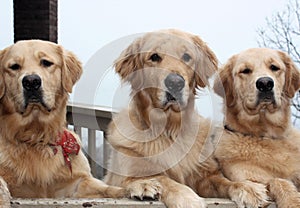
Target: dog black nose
point(265, 84)
point(31, 82)
point(174, 82)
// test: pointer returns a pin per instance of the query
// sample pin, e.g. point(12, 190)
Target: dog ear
point(128, 65)
point(71, 70)
point(223, 83)
point(207, 64)
point(2, 84)
point(292, 75)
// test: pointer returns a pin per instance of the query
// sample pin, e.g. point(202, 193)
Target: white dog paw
point(5, 196)
point(183, 198)
point(249, 194)
point(195, 203)
point(145, 189)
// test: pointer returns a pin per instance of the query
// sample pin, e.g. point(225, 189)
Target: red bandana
point(69, 145)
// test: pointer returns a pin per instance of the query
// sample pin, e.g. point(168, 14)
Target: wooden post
point(92, 151)
point(35, 19)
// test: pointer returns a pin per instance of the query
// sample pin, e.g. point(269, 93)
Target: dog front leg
point(284, 192)
point(171, 193)
point(90, 187)
point(175, 194)
point(244, 193)
point(5, 196)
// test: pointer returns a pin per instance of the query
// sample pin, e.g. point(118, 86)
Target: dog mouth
point(172, 101)
point(266, 97)
point(265, 101)
point(34, 101)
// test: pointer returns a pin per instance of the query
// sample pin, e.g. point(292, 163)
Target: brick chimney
point(35, 19)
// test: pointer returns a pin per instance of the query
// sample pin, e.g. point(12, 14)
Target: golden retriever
point(161, 146)
point(259, 143)
point(39, 157)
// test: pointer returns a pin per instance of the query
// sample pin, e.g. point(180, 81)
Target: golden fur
point(259, 143)
point(162, 148)
point(29, 129)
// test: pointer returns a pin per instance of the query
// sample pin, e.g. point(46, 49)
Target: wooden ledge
point(109, 203)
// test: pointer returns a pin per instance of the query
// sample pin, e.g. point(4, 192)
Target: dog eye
point(274, 68)
point(246, 71)
point(155, 57)
point(15, 67)
point(46, 63)
point(186, 57)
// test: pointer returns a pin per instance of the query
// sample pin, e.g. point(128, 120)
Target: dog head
point(36, 77)
point(258, 82)
point(166, 67)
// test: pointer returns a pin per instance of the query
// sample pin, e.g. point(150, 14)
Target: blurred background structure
point(35, 19)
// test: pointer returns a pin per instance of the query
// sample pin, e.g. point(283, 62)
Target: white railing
point(90, 123)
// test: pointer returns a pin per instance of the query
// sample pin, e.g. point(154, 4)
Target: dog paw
point(5, 196)
point(249, 194)
point(145, 189)
point(284, 192)
point(188, 202)
point(183, 197)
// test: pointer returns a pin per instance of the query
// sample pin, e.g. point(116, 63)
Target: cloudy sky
point(87, 26)
point(228, 26)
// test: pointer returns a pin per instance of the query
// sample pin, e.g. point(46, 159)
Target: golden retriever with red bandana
point(39, 157)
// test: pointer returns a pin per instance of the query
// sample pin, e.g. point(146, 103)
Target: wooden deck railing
point(88, 121)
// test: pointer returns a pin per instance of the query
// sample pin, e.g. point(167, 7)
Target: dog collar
point(226, 127)
point(229, 129)
point(234, 131)
point(69, 145)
